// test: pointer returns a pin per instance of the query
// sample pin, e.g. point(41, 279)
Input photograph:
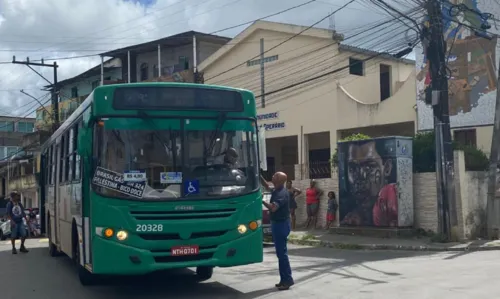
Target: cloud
point(61, 28)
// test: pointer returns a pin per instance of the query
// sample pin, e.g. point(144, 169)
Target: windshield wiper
point(160, 138)
point(146, 117)
point(213, 138)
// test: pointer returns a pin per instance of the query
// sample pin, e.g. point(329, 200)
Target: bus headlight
point(121, 235)
point(242, 229)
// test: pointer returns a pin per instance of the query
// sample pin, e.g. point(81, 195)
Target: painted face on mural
point(366, 170)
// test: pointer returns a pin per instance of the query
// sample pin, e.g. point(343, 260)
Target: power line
point(308, 64)
point(290, 38)
point(27, 114)
point(336, 71)
point(214, 32)
point(287, 96)
point(322, 75)
point(237, 80)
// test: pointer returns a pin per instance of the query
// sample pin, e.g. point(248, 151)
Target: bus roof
point(98, 101)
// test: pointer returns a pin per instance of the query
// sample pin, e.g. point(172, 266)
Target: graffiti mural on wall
point(369, 191)
point(472, 63)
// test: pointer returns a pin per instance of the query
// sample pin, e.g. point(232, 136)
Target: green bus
point(145, 177)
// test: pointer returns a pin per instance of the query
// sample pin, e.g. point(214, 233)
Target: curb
point(350, 246)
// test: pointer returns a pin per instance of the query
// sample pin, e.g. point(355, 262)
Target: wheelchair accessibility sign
point(191, 187)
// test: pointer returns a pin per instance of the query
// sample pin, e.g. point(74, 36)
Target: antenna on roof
point(331, 20)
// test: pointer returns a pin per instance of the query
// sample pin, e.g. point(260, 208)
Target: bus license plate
point(185, 250)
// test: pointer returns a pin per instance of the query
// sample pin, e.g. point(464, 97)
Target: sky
point(71, 28)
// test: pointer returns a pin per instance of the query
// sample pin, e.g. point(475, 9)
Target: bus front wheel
point(204, 273)
point(86, 278)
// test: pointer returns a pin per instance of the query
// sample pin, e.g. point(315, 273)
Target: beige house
point(303, 123)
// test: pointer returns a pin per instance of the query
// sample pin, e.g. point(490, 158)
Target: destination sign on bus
point(177, 98)
point(112, 180)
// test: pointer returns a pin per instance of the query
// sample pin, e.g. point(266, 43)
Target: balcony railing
point(22, 183)
point(35, 139)
point(182, 76)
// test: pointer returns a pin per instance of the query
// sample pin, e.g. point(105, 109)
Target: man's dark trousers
point(280, 231)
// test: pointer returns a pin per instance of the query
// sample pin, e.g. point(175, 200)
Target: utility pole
point(493, 204)
point(262, 80)
point(55, 92)
point(436, 54)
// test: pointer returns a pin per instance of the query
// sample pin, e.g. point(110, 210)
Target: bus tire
point(204, 272)
point(53, 251)
point(75, 244)
point(86, 278)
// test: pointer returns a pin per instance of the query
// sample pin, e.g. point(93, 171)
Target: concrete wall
point(471, 192)
point(425, 201)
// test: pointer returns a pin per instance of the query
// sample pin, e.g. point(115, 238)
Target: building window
point(356, 66)
point(95, 84)
point(155, 71)
point(12, 151)
point(465, 137)
point(6, 126)
point(144, 71)
point(74, 92)
point(25, 127)
point(266, 60)
point(385, 82)
point(184, 62)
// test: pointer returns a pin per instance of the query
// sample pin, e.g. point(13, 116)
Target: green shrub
point(353, 137)
point(424, 153)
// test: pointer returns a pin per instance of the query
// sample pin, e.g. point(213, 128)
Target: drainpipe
point(159, 61)
point(195, 61)
point(128, 65)
point(102, 70)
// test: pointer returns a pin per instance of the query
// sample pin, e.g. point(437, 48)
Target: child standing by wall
point(332, 210)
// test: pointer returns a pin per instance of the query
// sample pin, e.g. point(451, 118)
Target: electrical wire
point(276, 63)
point(236, 80)
point(275, 101)
point(214, 32)
point(224, 29)
point(287, 40)
point(312, 79)
point(310, 63)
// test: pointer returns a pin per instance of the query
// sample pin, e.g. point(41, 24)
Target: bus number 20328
point(149, 228)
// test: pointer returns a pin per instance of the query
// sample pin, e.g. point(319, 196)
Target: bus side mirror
point(262, 149)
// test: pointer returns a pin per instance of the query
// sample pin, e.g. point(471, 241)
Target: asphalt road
point(318, 272)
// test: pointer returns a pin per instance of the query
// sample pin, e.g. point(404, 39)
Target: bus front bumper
point(110, 257)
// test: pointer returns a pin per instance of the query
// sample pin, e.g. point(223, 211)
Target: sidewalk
point(325, 239)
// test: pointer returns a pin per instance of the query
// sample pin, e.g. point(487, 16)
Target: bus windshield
point(168, 164)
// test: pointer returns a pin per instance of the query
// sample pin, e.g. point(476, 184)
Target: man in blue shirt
point(15, 212)
point(279, 207)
